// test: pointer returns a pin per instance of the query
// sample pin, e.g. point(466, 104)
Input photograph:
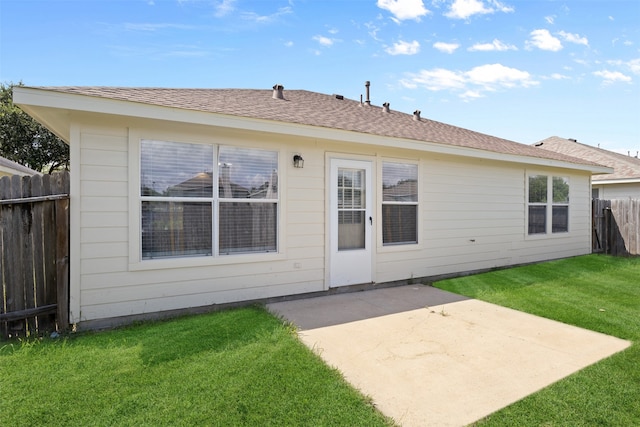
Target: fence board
point(616, 226)
point(5, 192)
point(34, 230)
point(26, 213)
point(62, 250)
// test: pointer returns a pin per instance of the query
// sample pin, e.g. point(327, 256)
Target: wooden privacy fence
point(616, 226)
point(34, 256)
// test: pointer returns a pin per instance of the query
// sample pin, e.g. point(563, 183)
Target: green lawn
point(595, 292)
point(231, 368)
point(245, 367)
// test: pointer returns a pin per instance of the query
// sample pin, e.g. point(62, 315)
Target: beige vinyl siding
point(618, 191)
point(473, 217)
point(110, 287)
point(461, 200)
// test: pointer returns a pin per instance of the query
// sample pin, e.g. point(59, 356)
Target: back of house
point(314, 192)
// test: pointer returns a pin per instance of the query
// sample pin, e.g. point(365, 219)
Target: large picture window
point(182, 215)
point(548, 204)
point(399, 203)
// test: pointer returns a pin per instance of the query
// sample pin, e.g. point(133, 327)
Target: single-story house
point(9, 168)
point(315, 192)
point(623, 183)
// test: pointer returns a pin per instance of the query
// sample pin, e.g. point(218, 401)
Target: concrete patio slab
point(431, 358)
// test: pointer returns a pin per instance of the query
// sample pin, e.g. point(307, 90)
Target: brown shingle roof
point(624, 167)
point(316, 109)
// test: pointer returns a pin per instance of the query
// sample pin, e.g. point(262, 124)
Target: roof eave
point(53, 108)
point(616, 181)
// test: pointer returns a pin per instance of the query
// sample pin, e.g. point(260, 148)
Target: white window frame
point(549, 205)
point(135, 261)
point(399, 245)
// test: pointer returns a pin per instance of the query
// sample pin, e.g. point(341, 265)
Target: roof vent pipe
point(385, 107)
point(367, 84)
point(278, 92)
point(416, 115)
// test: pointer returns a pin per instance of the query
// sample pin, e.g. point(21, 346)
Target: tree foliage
point(25, 141)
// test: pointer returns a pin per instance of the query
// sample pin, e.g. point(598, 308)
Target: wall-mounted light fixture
point(298, 161)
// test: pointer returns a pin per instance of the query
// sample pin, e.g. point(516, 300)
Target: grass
point(231, 368)
point(595, 292)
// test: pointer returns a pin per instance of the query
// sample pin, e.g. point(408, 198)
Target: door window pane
point(351, 230)
point(351, 209)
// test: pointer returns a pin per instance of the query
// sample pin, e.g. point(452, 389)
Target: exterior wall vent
point(278, 92)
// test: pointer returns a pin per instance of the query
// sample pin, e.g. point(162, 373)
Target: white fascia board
point(615, 181)
point(84, 103)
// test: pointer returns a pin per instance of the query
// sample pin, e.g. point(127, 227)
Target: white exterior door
point(351, 222)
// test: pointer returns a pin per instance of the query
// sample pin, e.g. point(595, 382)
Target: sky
point(522, 70)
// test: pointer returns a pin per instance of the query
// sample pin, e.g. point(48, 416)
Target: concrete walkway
point(431, 358)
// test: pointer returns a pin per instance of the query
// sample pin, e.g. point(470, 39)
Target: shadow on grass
point(187, 337)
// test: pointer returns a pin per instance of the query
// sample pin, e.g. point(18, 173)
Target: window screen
point(178, 202)
point(548, 204)
point(399, 203)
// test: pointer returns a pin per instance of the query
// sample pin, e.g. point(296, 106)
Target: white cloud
point(493, 76)
point(550, 19)
point(496, 45)
point(324, 41)
point(471, 94)
point(446, 47)
point(224, 8)
point(288, 43)
point(634, 65)
point(542, 39)
point(262, 19)
point(471, 84)
point(372, 30)
point(558, 76)
point(464, 9)
point(610, 77)
point(573, 38)
point(404, 9)
point(435, 80)
point(404, 48)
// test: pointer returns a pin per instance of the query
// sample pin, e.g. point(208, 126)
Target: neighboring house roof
point(305, 108)
point(625, 168)
point(8, 167)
